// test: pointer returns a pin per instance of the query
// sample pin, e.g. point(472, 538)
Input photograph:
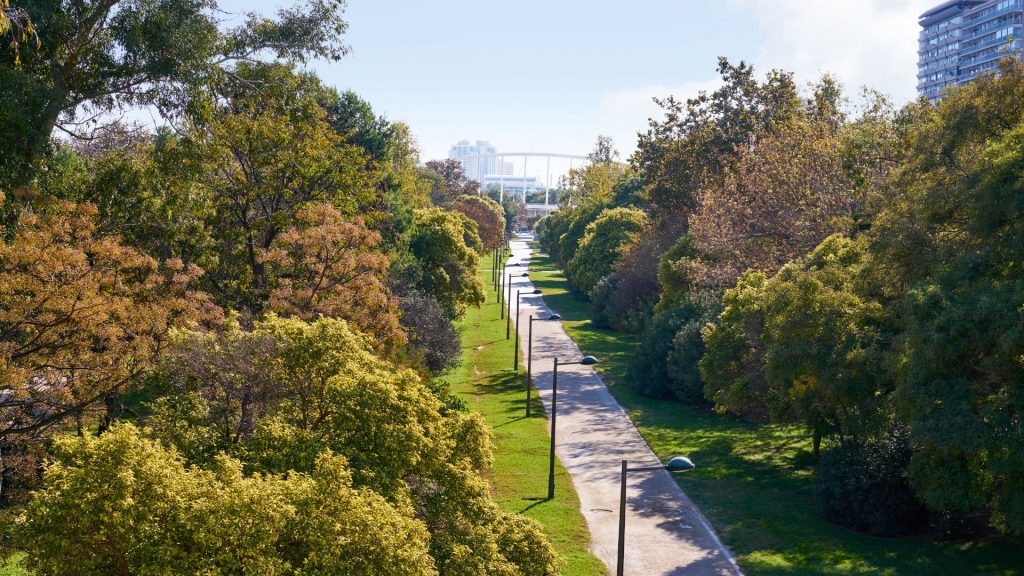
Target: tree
point(446, 245)
point(146, 191)
point(690, 149)
point(949, 243)
point(16, 25)
point(787, 192)
point(354, 119)
point(101, 56)
point(121, 503)
point(334, 395)
point(808, 345)
point(81, 317)
point(489, 217)
point(593, 184)
point(431, 333)
point(326, 266)
point(266, 156)
point(605, 242)
point(455, 181)
point(604, 152)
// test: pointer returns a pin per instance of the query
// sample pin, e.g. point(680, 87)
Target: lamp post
point(501, 288)
point(529, 358)
point(515, 360)
point(508, 316)
point(677, 464)
point(586, 361)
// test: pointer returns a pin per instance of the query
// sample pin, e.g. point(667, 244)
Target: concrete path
point(665, 532)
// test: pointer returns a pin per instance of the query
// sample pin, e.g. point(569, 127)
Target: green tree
point(121, 503)
point(100, 56)
point(320, 388)
point(446, 248)
point(604, 243)
point(951, 241)
point(266, 155)
point(809, 345)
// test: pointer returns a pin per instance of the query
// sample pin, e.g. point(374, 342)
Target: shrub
point(604, 243)
point(863, 485)
point(432, 337)
point(648, 372)
point(600, 300)
point(684, 378)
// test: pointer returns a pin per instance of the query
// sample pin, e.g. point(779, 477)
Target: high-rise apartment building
point(963, 38)
point(475, 168)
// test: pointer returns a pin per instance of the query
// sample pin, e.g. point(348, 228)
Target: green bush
point(648, 371)
point(604, 243)
point(683, 360)
point(863, 485)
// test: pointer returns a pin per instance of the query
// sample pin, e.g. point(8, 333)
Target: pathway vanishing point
point(665, 532)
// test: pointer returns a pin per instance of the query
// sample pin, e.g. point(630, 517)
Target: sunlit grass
point(486, 382)
point(756, 483)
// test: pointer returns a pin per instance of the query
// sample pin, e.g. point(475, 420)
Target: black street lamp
point(677, 464)
point(519, 294)
point(529, 358)
point(501, 288)
point(508, 316)
point(586, 361)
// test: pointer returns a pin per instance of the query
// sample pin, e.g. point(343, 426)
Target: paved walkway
point(665, 532)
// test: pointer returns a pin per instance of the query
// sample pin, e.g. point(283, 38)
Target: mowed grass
point(756, 483)
point(486, 382)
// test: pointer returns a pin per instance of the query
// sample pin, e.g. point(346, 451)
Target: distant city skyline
point(552, 76)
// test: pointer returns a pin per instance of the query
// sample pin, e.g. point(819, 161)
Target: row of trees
point(851, 268)
point(221, 342)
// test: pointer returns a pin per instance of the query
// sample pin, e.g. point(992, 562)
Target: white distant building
point(478, 168)
point(512, 184)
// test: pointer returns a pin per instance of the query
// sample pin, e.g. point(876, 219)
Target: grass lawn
point(486, 382)
point(755, 483)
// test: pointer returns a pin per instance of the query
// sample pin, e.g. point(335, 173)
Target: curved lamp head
point(679, 464)
point(554, 317)
point(536, 291)
point(524, 274)
point(588, 361)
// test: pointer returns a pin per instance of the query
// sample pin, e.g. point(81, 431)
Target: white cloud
point(864, 42)
point(622, 113)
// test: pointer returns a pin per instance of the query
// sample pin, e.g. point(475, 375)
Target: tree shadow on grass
point(508, 383)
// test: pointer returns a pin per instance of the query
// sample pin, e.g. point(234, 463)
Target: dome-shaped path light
point(677, 464)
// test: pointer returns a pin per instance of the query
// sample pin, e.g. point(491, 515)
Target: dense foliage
point(218, 340)
point(852, 269)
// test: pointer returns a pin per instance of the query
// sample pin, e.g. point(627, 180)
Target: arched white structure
point(547, 156)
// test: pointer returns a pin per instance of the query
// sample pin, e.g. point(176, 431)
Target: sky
point(552, 75)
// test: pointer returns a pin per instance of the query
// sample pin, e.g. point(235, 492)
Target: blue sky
point(552, 75)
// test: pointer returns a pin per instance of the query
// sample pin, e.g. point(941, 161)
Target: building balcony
point(967, 50)
point(974, 20)
point(970, 35)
